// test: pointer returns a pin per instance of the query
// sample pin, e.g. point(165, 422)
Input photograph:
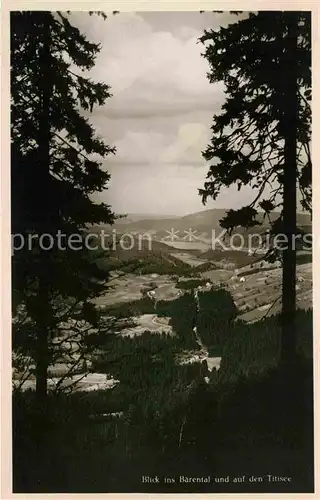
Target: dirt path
point(212, 362)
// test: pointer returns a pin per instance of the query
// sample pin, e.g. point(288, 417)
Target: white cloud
point(150, 147)
point(185, 32)
point(160, 114)
point(139, 147)
point(166, 189)
point(149, 67)
point(192, 139)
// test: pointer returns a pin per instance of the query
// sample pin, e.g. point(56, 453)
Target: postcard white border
point(5, 238)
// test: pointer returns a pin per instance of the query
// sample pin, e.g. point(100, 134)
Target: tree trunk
point(42, 360)
point(45, 208)
point(290, 122)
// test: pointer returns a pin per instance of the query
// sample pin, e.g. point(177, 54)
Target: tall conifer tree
point(262, 136)
point(55, 170)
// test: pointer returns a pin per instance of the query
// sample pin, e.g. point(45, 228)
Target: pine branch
point(272, 305)
point(68, 373)
point(262, 187)
point(72, 147)
point(307, 103)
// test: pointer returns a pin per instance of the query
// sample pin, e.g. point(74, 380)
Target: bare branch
point(68, 373)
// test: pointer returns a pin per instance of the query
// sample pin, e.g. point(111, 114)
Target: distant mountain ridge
point(202, 222)
point(132, 218)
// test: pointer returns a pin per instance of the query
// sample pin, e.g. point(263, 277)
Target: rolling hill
point(201, 223)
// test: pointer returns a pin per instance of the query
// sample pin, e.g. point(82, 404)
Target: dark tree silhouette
point(262, 136)
point(55, 170)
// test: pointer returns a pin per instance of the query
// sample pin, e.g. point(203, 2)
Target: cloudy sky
point(161, 111)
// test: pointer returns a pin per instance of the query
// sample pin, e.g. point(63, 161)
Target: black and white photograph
point(162, 251)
